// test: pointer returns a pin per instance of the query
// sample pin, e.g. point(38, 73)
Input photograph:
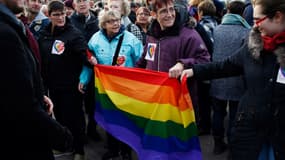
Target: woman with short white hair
point(103, 45)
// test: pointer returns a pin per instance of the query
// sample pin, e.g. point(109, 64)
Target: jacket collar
point(40, 16)
point(115, 36)
point(155, 29)
point(83, 19)
point(57, 30)
point(255, 45)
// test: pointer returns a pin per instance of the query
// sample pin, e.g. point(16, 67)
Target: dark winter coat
point(261, 113)
point(27, 131)
point(61, 69)
point(88, 28)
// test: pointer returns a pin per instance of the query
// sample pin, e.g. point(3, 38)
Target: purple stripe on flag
point(134, 141)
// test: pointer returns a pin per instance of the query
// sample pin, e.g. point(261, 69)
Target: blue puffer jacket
point(104, 48)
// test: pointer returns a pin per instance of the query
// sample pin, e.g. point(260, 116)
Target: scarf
point(256, 45)
point(235, 19)
point(33, 44)
point(270, 43)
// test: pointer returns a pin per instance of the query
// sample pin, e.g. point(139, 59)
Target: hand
point(187, 73)
point(93, 60)
point(48, 104)
point(176, 70)
point(81, 88)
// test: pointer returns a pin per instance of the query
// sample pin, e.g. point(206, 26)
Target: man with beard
point(36, 19)
point(27, 131)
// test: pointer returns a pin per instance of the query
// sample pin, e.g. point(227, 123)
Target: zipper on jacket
point(158, 56)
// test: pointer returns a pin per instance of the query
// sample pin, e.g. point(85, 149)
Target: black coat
point(27, 131)
point(62, 71)
point(87, 28)
point(261, 112)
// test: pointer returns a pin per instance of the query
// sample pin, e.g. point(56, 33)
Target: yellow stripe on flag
point(143, 91)
point(153, 111)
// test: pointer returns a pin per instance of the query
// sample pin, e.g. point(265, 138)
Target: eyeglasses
point(143, 14)
point(58, 14)
point(258, 21)
point(165, 11)
point(113, 21)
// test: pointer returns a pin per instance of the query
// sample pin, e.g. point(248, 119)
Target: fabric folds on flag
point(149, 111)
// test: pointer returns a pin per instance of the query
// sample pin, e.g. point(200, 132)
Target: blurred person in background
point(44, 10)
point(98, 6)
point(248, 12)
point(143, 21)
point(193, 8)
point(37, 21)
point(226, 92)
point(84, 20)
point(206, 13)
point(132, 14)
point(69, 7)
point(123, 7)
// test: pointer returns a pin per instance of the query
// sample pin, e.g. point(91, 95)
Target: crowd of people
point(232, 54)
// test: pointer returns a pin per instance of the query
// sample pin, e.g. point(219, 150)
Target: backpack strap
point(115, 57)
point(129, 27)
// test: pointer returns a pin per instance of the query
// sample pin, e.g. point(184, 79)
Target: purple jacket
point(163, 49)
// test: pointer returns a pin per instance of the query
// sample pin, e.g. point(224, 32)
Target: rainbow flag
point(147, 110)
